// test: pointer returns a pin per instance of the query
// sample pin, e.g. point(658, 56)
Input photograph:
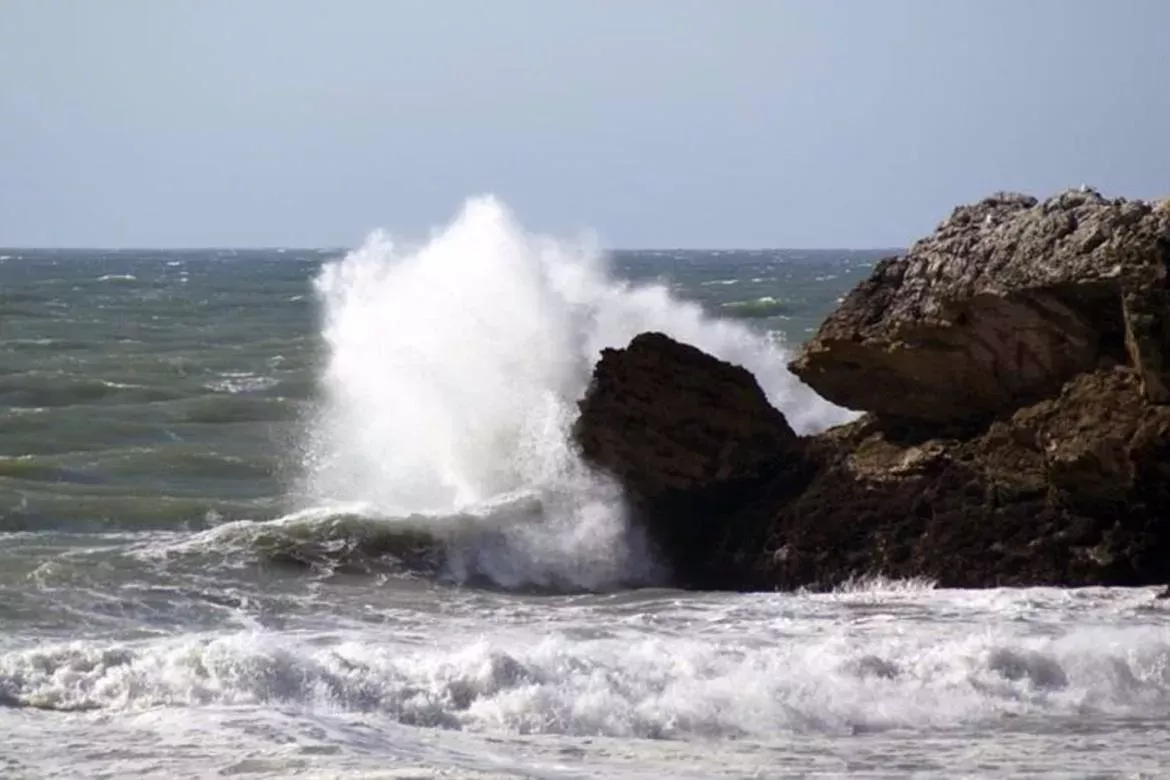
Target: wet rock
point(1006, 301)
point(690, 438)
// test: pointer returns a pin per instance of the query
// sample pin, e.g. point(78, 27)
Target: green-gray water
point(213, 464)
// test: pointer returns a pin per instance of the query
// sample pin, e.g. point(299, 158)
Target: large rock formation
point(1004, 303)
point(1013, 368)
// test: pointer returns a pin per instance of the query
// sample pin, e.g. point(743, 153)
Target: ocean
point(314, 513)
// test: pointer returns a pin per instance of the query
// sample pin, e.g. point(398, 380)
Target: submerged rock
point(1006, 301)
point(1013, 368)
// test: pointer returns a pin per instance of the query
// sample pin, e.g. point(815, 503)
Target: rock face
point(1073, 490)
point(688, 436)
point(1013, 367)
point(1004, 303)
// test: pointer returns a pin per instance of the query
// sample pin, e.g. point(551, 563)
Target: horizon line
point(279, 248)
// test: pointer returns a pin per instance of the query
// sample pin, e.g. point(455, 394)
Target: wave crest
point(623, 686)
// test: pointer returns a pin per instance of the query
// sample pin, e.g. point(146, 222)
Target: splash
point(453, 372)
point(627, 686)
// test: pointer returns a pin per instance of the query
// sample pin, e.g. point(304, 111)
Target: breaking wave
point(452, 376)
point(621, 685)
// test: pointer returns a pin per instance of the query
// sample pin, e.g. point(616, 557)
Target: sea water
point(315, 513)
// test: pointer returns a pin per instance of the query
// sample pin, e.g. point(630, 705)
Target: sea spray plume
point(452, 375)
point(448, 368)
point(451, 382)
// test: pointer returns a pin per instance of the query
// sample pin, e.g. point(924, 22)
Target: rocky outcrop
point(1012, 367)
point(1073, 490)
point(1004, 303)
point(713, 424)
point(689, 437)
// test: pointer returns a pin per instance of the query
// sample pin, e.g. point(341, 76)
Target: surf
point(452, 371)
point(708, 678)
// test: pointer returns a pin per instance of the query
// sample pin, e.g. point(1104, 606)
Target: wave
point(239, 382)
point(46, 345)
point(226, 407)
point(757, 308)
point(453, 372)
point(622, 685)
point(39, 390)
point(40, 468)
point(877, 585)
point(497, 543)
point(192, 461)
point(81, 504)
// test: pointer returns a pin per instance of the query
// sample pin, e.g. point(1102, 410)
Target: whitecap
point(236, 382)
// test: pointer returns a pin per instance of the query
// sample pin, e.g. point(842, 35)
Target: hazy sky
point(667, 123)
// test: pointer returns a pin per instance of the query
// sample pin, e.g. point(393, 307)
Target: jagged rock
point(1004, 303)
point(690, 438)
point(1073, 490)
point(1013, 365)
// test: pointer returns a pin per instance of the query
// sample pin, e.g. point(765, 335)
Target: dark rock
point(1069, 491)
point(690, 438)
point(1013, 366)
point(1004, 303)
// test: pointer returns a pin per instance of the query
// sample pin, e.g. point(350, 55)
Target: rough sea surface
point(314, 514)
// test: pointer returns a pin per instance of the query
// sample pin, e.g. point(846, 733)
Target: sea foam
point(658, 687)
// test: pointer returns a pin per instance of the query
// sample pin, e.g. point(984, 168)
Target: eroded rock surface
point(1006, 301)
point(690, 437)
point(1073, 490)
point(1014, 369)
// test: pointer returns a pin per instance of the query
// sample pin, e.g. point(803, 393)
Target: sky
point(650, 123)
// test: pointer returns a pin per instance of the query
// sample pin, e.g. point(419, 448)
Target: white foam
point(625, 686)
point(455, 367)
point(235, 382)
point(877, 675)
point(880, 585)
